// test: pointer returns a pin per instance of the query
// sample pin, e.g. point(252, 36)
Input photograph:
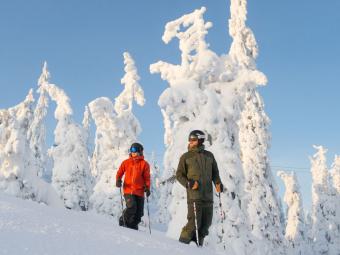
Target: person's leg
point(130, 211)
point(206, 220)
point(139, 212)
point(188, 233)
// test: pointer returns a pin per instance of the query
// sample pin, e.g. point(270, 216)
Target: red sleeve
point(146, 175)
point(120, 171)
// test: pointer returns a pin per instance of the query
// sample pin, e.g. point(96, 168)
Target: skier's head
point(196, 137)
point(136, 149)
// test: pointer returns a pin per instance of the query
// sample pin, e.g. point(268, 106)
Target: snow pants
point(204, 212)
point(133, 212)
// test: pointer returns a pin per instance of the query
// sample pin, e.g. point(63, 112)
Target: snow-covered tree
point(103, 163)
point(180, 103)
point(132, 89)
point(86, 125)
point(263, 207)
point(71, 171)
point(207, 92)
point(296, 232)
point(320, 202)
point(261, 201)
point(15, 123)
point(18, 164)
point(37, 131)
point(334, 248)
point(155, 172)
point(244, 49)
point(116, 129)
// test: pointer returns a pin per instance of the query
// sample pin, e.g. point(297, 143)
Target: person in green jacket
point(197, 170)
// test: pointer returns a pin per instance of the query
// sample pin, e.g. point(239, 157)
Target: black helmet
point(136, 147)
point(197, 134)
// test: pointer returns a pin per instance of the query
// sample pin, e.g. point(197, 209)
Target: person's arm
point(215, 173)
point(120, 172)
point(181, 173)
point(146, 175)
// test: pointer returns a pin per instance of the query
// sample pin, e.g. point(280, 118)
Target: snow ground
point(27, 227)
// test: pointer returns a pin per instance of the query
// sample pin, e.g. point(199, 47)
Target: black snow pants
point(133, 212)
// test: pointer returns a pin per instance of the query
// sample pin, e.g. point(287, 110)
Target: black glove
point(147, 192)
point(191, 183)
point(119, 183)
point(221, 187)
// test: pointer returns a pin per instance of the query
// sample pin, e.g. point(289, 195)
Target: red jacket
point(137, 175)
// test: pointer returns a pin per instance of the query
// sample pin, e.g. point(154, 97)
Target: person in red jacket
point(136, 173)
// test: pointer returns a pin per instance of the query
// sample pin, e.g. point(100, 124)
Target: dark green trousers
point(204, 212)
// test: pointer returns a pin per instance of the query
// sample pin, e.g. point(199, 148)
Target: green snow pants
point(204, 212)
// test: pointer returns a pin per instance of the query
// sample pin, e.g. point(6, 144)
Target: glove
point(118, 183)
point(192, 184)
point(219, 187)
point(147, 192)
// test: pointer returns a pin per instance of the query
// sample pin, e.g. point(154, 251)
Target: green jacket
point(199, 165)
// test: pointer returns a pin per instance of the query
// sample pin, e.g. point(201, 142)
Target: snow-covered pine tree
point(205, 93)
point(334, 248)
point(86, 125)
point(18, 165)
point(116, 129)
point(37, 131)
point(15, 152)
point(154, 199)
point(296, 233)
point(263, 207)
point(244, 48)
point(132, 89)
point(320, 202)
point(104, 198)
point(261, 199)
point(180, 105)
point(71, 171)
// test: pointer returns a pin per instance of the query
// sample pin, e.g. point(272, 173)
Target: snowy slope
point(30, 228)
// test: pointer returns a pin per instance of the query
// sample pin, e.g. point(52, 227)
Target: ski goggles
point(195, 138)
point(134, 150)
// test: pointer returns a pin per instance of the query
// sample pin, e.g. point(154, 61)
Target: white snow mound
point(27, 227)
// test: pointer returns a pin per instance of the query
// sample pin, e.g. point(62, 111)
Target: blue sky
point(83, 43)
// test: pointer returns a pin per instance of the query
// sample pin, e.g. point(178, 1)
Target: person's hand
point(219, 187)
point(147, 192)
point(118, 183)
point(192, 184)
point(195, 185)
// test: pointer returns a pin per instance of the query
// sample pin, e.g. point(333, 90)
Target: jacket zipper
point(133, 176)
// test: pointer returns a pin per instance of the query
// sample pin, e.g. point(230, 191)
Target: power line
point(291, 167)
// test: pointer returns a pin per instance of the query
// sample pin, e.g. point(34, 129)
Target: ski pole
point(195, 214)
point(221, 212)
point(147, 205)
point(121, 201)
